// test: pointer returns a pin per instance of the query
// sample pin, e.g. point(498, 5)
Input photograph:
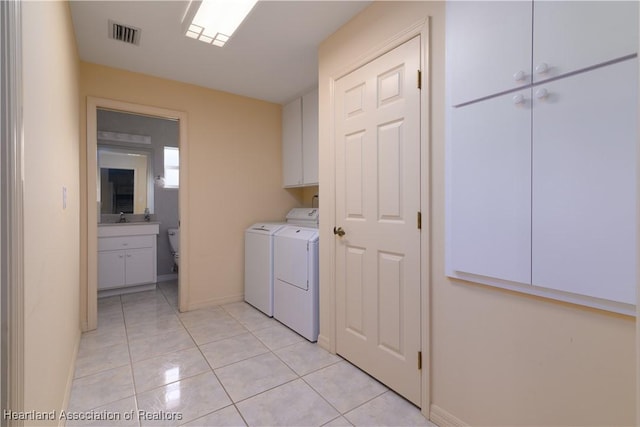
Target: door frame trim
point(11, 213)
point(327, 337)
point(89, 288)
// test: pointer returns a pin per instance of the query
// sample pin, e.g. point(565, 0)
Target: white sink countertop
point(128, 228)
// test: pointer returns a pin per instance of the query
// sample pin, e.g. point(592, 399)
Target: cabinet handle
point(542, 68)
point(125, 244)
point(120, 256)
point(519, 76)
point(128, 256)
point(542, 93)
point(518, 99)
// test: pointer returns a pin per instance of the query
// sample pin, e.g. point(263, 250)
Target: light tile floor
point(223, 366)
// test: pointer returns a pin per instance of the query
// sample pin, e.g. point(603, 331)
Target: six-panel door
point(377, 110)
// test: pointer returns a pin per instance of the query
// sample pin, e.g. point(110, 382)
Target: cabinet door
point(584, 185)
point(572, 35)
point(292, 143)
point(488, 47)
point(490, 189)
point(111, 269)
point(310, 138)
point(140, 266)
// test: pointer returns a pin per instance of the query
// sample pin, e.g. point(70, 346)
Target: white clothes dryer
point(296, 273)
point(258, 265)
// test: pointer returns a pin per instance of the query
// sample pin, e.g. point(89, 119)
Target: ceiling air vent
point(124, 33)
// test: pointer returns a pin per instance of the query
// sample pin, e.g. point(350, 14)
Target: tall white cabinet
point(300, 141)
point(584, 185)
point(490, 183)
point(541, 133)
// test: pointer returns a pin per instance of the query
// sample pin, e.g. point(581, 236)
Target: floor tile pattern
point(148, 364)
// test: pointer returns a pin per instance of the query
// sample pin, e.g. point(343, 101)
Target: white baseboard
point(72, 370)
point(128, 290)
point(167, 277)
point(444, 419)
point(215, 302)
point(324, 342)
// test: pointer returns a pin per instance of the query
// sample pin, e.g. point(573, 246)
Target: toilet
point(174, 241)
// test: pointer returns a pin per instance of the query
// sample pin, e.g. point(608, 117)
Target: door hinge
point(419, 220)
point(419, 361)
point(419, 79)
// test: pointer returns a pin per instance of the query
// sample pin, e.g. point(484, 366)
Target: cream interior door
point(377, 125)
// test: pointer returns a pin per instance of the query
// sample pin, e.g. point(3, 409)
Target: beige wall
point(234, 171)
point(307, 196)
point(497, 357)
point(51, 233)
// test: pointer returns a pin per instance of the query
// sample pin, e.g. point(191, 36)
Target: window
point(171, 167)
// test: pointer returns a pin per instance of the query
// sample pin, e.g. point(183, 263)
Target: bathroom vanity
point(127, 257)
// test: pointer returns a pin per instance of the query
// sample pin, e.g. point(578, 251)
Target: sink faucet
point(122, 218)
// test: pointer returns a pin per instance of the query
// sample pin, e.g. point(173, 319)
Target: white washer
point(258, 265)
point(295, 286)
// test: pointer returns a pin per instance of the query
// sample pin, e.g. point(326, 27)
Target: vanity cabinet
point(127, 255)
point(300, 141)
point(541, 187)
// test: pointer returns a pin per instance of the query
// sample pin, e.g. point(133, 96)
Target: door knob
point(542, 68)
point(338, 231)
point(519, 99)
point(520, 76)
point(542, 93)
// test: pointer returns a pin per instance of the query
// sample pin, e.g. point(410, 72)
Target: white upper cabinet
point(292, 143)
point(584, 184)
point(541, 171)
point(490, 201)
point(488, 48)
point(300, 141)
point(499, 46)
point(310, 138)
point(573, 35)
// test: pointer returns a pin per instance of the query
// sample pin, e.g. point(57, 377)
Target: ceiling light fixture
point(216, 20)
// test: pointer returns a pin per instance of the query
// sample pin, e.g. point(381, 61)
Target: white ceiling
point(272, 56)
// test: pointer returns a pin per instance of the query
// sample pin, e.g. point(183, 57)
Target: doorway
point(96, 107)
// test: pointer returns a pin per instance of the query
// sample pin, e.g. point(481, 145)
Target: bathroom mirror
point(125, 180)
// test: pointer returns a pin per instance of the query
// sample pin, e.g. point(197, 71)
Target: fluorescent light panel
point(217, 20)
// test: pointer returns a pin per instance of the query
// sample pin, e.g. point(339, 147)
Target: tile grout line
point(117, 367)
point(133, 377)
point(269, 350)
point(246, 321)
point(214, 374)
point(299, 377)
point(176, 312)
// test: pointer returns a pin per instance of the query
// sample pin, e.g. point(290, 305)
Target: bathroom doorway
point(151, 130)
point(126, 135)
